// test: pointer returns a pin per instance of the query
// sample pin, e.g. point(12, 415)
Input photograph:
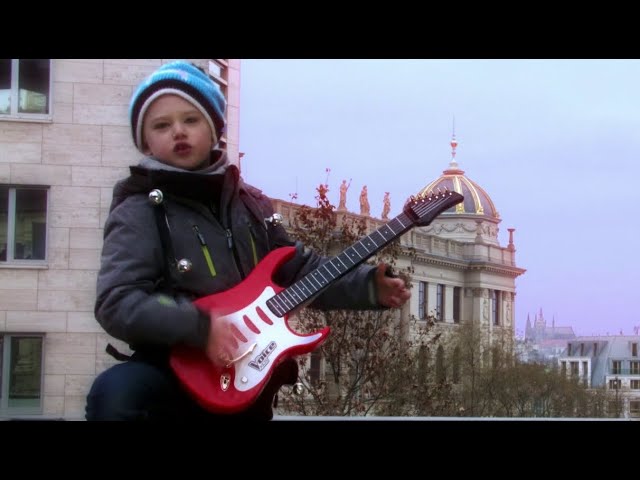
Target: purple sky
point(555, 144)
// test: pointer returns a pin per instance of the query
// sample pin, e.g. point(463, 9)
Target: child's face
point(176, 133)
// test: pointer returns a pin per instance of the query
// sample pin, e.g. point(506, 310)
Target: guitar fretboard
point(320, 278)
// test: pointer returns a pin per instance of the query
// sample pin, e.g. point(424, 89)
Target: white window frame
point(496, 300)
point(440, 301)
point(5, 410)
point(423, 300)
point(11, 228)
point(15, 97)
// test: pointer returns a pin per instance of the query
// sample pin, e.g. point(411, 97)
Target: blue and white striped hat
point(185, 80)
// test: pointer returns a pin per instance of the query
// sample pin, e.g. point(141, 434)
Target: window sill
point(25, 266)
point(27, 118)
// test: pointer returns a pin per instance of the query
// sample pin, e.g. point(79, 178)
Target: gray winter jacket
point(222, 239)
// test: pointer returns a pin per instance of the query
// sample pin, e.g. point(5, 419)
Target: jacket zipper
point(252, 236)
point(205, 250)
point(229, 235)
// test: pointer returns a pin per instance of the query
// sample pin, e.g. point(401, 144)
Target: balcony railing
point(623, 371)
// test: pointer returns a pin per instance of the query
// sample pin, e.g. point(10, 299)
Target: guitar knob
point(298, 388)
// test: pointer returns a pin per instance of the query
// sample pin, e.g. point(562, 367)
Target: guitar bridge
point(237, 359)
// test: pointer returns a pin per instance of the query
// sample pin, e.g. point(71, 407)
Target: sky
point(555, 144)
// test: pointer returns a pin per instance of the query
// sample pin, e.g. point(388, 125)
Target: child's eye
point(160, 125)
point(192, 119)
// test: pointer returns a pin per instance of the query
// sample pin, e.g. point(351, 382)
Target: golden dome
point(476, 200)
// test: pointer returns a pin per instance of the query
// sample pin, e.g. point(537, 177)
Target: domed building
point(461, 273)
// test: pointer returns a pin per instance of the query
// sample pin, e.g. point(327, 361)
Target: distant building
point(543, 343)
point(609, 362)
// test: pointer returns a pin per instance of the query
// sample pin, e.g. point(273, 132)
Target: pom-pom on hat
point(185, 80)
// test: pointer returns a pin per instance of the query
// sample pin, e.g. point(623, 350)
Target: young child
point(184, 225)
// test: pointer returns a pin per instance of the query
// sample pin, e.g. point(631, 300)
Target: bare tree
point(376, 363)
point(496, 384)
point(367, 365)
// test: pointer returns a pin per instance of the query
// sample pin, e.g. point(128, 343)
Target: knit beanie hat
point(185, 80)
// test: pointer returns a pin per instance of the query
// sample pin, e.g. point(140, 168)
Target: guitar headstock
point(424, 208)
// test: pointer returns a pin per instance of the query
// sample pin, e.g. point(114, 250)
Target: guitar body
point(263, 340)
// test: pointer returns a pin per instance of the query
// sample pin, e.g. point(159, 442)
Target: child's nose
point(178, 130)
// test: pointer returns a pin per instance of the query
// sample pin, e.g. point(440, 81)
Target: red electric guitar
point(257, 310)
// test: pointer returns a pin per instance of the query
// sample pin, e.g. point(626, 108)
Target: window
point(440, 302)
point(20, 374)
point(635, 384)
point(574, 369)
point(615, 384)
point(314, 367)
point(582, 349)
point(422, 300)
point(634, 367)
point(495, 306)
point(457, 294)
point(634, 408)
point(456, 365)
point(423, 363)
point(595, 349)
point(25, 86)
point(23, 224)
point(441, 372)
point(616, 367)
point(634, 349)
point(496, 357)
point(563, 368)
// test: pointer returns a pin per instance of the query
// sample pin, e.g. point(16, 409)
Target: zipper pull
point(229, 238)
point(199, 235)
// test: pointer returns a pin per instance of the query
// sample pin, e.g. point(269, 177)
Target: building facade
point(609, 362)
point(460, 272)
point(65, 140)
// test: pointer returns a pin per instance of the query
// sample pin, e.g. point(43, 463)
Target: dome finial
point(454, 144)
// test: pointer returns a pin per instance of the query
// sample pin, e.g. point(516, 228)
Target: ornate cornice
point(426, 259)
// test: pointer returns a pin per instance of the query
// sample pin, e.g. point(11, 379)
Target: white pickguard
point(271, 342)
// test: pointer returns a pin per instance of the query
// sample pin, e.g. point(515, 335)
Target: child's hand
point(392, 292)
point(221, 345)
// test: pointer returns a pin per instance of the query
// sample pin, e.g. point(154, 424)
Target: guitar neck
point(322, 277)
